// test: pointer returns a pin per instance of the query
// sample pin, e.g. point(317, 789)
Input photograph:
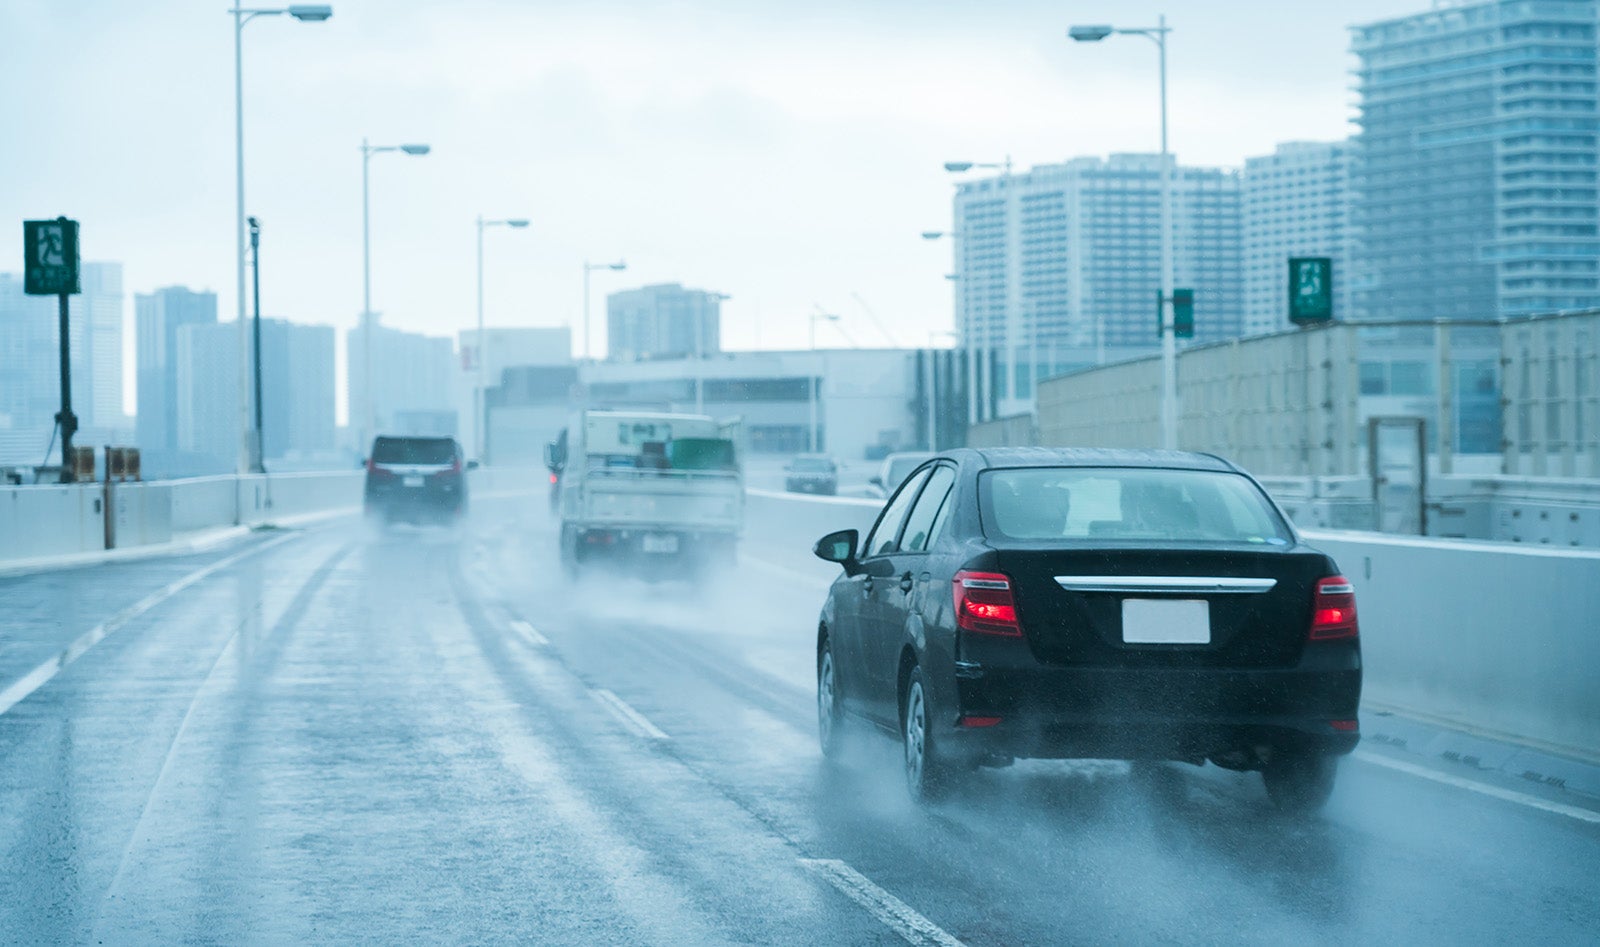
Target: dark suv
point(1107, 604)
point(416, 479)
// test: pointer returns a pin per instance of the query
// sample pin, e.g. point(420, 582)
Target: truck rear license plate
point(1166, 621)
point(660, 542)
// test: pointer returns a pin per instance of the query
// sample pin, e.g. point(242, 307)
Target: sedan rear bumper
point(1242, 716)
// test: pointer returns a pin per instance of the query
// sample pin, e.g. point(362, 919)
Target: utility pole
point(260, 466)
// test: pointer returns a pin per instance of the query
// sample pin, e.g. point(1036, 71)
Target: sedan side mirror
point(839, 547)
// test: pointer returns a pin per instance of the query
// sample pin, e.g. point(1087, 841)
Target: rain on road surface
point(429, 735)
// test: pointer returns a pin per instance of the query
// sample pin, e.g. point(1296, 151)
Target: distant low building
point(662, 321)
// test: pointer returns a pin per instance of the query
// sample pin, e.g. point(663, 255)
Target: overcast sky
point(787, 154)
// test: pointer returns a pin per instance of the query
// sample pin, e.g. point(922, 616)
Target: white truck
point(648, 490)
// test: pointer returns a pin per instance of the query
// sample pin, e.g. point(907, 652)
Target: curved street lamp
point(306, 13)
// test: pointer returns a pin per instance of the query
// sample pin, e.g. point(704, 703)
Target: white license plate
point(1166, 621)
point(412, 480)
point(660, 542)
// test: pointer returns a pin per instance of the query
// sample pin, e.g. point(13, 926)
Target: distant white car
point(896, 468)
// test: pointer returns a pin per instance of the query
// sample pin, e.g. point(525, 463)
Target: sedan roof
point(1101, 457)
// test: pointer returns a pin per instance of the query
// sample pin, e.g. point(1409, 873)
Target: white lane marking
point(40, 675)
point(1508, 795)
point(893, 912)
point(632, 719)
point(529, 632)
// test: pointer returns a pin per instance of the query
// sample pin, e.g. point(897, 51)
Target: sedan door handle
point(905, 582)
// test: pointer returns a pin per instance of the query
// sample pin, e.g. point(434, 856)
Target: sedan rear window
point(414, 450)
point(1126, 503)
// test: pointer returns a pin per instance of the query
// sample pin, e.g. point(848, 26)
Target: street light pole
point(369, 420)
point(1169, 344)
point(306, 13)
point(255, 268)
point(587, 269)
point(480, 407)
point(811, 320)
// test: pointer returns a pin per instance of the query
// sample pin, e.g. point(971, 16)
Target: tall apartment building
point(297, 389)
point(157, 318)
point(410, 372)
point(662, 321)
point(1296, 203)
point(30, 379)
point(1063, 262)
point(1475, 190)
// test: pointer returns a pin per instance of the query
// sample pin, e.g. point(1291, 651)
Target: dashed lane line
point(1508, 795)
point(41, 675)
point(893, 912)
point(630, 718)
point(529, 632)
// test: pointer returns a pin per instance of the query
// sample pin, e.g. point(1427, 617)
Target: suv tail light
point(373, 470)
point(984, 604)
point(1333, 609)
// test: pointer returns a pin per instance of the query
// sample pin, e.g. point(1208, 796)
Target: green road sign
point(1310, 289)
point(1183, 313)
point(51, 251)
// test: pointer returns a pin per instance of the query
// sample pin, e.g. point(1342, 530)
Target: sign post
point(1310, 290)
point(51, 269)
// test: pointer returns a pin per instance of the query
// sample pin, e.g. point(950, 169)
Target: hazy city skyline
point(623, 131)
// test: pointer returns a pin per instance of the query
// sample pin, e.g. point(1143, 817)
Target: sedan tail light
point(1333, 609)
point(984, 604)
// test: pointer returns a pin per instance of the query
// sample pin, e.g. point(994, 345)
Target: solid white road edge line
point(1508, 795)
point(893, 912)
point(632, 719)
point(39, 676)
point(527, 631)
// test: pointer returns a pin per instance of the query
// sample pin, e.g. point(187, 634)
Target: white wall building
point(410, 372)
point(1296, 203)
point(514, 347)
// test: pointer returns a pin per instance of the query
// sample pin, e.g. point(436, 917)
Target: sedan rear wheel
point(830, 713)
point(928, 776)
point(1300, 783)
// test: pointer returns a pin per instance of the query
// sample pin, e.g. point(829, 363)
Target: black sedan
point(812, 473)
point(1105, 604)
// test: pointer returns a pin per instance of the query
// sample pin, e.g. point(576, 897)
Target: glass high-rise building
point(1063, 262)
point(1475, 186)
point(1296, 204)
point(158, 316)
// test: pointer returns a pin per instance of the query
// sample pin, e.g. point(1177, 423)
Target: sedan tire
point(831, 722)
point(928, 775)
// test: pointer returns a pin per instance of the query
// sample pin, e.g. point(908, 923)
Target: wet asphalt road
point(429, 736)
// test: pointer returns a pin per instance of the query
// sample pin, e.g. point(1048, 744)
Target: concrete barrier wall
point(51, 520)
point(141, 514)
point(204, 502)
point(1491, 637)
point(44, 521)
point(1494, 638)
